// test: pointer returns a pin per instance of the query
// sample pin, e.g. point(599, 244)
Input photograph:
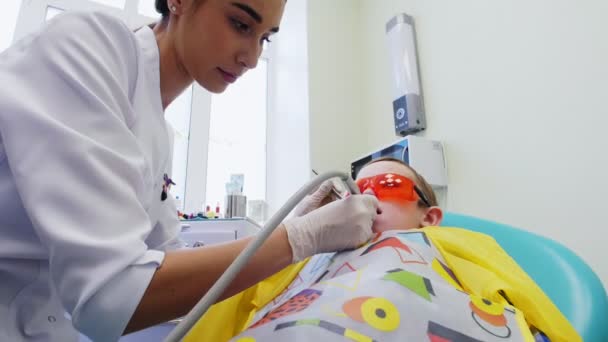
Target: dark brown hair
point(163, 8)
point(424, 186)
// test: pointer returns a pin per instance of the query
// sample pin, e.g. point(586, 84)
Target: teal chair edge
point(570, 283)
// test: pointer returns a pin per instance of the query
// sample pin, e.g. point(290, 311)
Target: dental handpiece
point(336, 193)
point(354, 189)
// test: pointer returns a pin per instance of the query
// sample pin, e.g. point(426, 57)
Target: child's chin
point(382, 229)
point(380, 226)
point(376, 229)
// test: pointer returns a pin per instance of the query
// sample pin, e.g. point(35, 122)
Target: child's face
point(394, 214)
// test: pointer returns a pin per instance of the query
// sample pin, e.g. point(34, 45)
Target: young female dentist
point(85, 234)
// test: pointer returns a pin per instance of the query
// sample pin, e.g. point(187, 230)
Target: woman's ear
point(176, 7)
point(432, 217)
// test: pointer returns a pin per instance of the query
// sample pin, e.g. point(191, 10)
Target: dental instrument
point(334, 191)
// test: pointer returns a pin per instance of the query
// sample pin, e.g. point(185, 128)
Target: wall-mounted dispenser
point(408, 106)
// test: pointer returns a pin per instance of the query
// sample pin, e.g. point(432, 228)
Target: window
point(8, 20)
point(178, 116)
point(237, 136)
point(148, 9)
point(113, 3)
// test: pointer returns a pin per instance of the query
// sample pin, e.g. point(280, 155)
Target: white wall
point(335, 84)
point(516, 90)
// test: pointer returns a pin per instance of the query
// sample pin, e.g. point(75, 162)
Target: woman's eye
point(265, 41)
point(240, 26)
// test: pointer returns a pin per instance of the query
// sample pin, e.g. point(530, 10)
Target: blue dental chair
point(566, 279)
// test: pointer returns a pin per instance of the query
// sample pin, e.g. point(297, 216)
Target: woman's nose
point(250, 56)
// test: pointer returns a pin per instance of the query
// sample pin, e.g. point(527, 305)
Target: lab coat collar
point(151, 59)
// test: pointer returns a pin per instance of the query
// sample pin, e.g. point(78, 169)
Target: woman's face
point(398, 214)
point(217, 41)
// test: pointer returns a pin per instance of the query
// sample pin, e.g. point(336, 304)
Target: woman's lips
point(228, 77)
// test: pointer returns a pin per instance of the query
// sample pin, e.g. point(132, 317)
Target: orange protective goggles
point(392, 187)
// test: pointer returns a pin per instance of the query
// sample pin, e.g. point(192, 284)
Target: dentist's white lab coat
point(83, 149)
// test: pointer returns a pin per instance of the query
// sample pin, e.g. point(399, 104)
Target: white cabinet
point(212, 231)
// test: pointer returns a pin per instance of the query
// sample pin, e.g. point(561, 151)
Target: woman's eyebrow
point(247, 9)
point(253, 14)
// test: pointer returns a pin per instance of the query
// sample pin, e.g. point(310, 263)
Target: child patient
point(406, 200)
point(413, 282)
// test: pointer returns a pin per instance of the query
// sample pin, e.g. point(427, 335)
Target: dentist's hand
point(334, 227)
point(313, 201)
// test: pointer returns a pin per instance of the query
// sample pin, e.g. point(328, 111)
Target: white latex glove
point(313, 201)
point(337, 226)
